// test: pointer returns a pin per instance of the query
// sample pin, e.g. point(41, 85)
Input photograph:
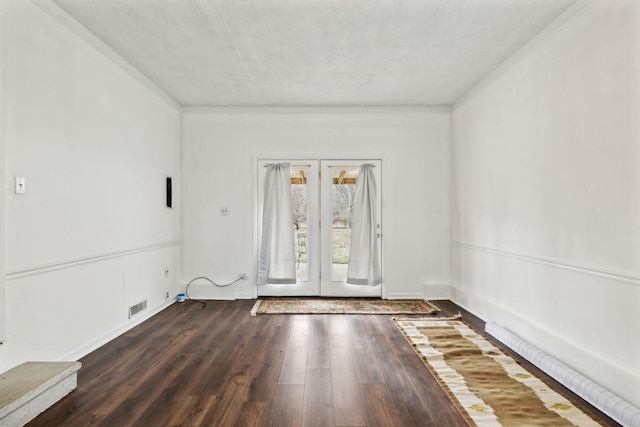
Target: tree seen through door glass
point(342, 194)
point(300, 210)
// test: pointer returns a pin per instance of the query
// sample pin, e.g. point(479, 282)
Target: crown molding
point(315, 110)
point(572, 13)
point(92, 40)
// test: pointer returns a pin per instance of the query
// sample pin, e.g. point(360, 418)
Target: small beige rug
point(488, 387)
point(342, 306)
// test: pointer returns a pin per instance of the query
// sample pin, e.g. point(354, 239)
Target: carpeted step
point(29, 389)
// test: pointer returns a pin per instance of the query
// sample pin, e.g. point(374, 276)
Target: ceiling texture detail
point(315, 52)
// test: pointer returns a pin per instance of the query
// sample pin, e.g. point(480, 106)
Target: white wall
point(220, 149)
point(3, 88)
point(92, 235)
point(546, 200)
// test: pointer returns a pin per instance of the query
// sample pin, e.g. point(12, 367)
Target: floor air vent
point(135, 309)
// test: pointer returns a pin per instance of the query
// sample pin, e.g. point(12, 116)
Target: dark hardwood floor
point(221, 367)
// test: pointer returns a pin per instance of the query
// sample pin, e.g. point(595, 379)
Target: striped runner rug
point(488, 387)
point(342, 306)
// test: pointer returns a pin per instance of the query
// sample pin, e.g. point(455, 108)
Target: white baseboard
point(82, 351)
point(437, 291)
point(245, 295)
point(222, 298)
point(409, 295)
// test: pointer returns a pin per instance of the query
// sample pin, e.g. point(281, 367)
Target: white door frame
point(319, 238)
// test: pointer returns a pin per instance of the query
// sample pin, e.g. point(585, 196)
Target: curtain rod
point(350, 166)
point(292, 166)
point(331, 166)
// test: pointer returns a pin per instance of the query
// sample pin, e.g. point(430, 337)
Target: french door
point(322, 193)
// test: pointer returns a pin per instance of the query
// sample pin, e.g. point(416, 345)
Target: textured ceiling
point(315, 52)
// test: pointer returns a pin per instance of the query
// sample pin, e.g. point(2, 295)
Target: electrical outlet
point(224, 210)
point(243, 276)
point(166, 295)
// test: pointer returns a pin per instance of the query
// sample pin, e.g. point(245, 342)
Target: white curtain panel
point(364, 261)
point(276, 263)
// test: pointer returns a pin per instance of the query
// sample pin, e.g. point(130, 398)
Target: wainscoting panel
point(66, 310)
point(585, 316)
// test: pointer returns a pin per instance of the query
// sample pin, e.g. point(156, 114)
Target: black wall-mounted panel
point(169, 193)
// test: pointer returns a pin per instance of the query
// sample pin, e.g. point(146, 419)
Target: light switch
point(21, 185)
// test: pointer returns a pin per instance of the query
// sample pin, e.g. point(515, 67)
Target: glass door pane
point(299, 197)
point(343, 189)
